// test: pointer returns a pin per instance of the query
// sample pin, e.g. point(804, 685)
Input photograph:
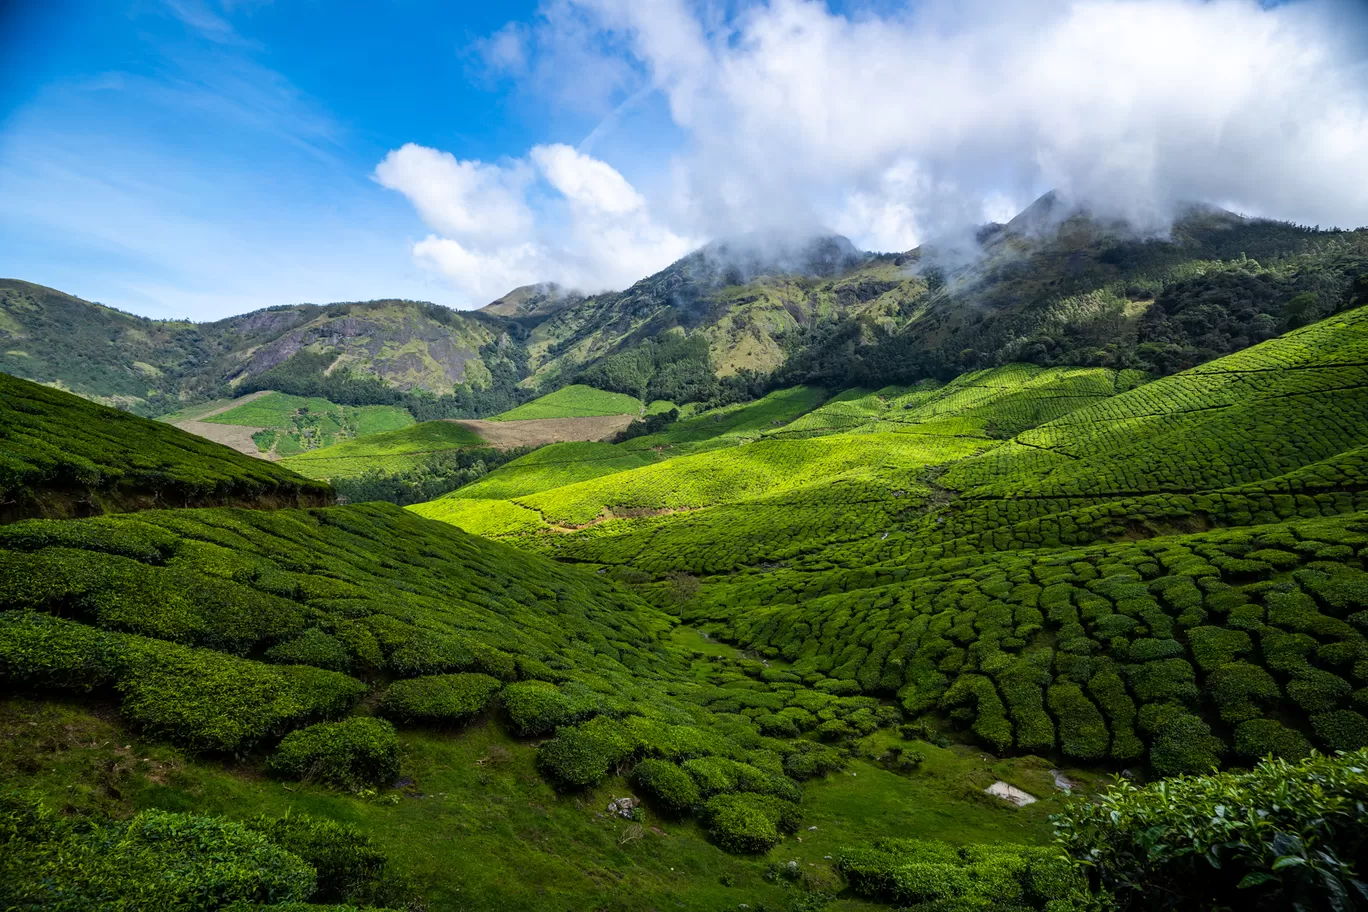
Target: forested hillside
point(734, 320)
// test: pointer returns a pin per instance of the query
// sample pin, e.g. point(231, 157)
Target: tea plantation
point(295, 424)
point(389, 452)
point(576, 401)
point(66, 456)
point(770, 655)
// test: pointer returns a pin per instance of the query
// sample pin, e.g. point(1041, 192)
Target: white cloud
point(891, 126)
point(587, 182)
point(558, 215)
point(460, 198)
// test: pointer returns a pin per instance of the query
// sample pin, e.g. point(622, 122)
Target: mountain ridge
point(1052, 286)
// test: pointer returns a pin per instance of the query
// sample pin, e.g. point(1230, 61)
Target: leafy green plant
point(439, 699)
point(353, 753)
point(1283, 835)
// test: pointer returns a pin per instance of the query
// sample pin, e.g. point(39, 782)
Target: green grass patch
point(296, 424)
point(575, 401)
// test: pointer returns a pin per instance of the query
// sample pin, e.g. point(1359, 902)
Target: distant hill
point(536, 301)
point(1053, 287)
point(152, 366)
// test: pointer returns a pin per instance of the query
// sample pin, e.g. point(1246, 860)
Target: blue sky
point(207, 157)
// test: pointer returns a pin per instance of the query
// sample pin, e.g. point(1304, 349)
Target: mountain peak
point(537, 300)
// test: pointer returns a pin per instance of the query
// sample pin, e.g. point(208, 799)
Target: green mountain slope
point(1053, 288)
point(787, 647)
point(61, 455)
point(355, 352)
point(1059, 591)
point(401, 450)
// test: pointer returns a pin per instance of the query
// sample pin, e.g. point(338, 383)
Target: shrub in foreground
point(1283, 835)
point(157, 860)
point(350, 868)
point(931, 874)
point(352, 753)
point(582, 755)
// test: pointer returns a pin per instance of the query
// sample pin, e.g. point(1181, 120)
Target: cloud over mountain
point(915, 119)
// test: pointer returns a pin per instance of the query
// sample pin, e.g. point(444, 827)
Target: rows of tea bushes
point(171, 861)
point(1186, 651)
point(64, 455)
point(996, 403)
point(233, 631)
point(401, 450)
point(574, 401)
point(730, 425)
point(742, 473)
point(553, 466)
point(290, 425)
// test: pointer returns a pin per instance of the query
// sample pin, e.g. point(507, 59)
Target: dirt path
point(537, 431)
point(237, 436)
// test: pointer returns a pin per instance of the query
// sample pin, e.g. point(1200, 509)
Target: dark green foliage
point(1260, 738)
point(157, 860)
point(667, 784)
point(439, 699)
point(749, 823)
point(440, 473)
point(1342, 730)
point(539, 708)
point(67, 456)
point(1082, 732)
point(312, 647)
point(1284, 835)
point(208, 701)
point(350, 868)
point(931, 874)
point(812, 761)
point(202, 699)
point(581, 756)
point(1213, 647)
point(1180, 742)
point(1317, 691)
point(40, 651)
point(353, 753)
point(1241, 691)
point(1166, 679)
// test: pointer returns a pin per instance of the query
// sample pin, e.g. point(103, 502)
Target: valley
point(740, 588)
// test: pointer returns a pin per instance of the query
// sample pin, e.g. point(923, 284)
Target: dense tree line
point(442, 474)
point(305, 374)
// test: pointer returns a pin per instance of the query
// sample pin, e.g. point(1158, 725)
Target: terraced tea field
point(404, 450)
point(281, 425)
point(1025, 554)
point(578, 401)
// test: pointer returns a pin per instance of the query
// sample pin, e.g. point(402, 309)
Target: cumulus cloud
point(590, 230)
point(895, 125)
point(902, 123)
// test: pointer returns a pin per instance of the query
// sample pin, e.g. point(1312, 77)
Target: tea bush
point(1282, 835)
point(353, 753)
point(64, 454)
point(438, 699)
point(749, 823)
point(667, 784)
point(931, 874)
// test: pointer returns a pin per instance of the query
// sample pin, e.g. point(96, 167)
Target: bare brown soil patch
point(537, 431)
point(237, 436)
